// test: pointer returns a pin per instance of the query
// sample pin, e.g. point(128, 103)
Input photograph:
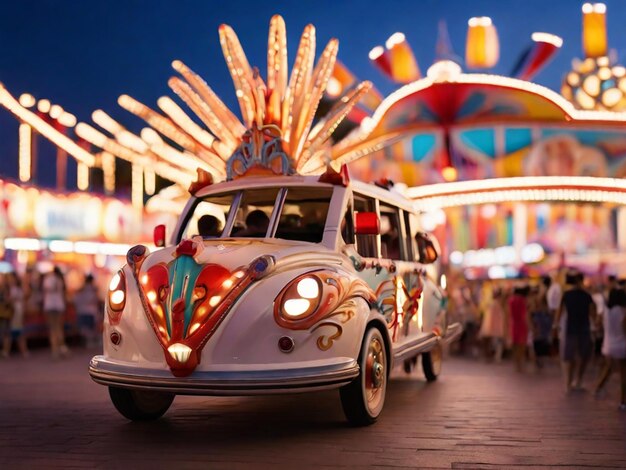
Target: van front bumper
point(239, 382)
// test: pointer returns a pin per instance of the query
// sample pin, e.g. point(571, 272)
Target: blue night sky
point(84, 54)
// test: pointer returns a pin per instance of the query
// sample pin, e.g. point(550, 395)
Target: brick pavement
point(476, 416)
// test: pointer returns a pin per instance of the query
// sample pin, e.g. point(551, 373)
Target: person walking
point(6, 312)
point(573, 321)
point(541, 326)
point(518, 314)
point(492, 328)
point(54, 306)
point(88, 309)
point(16, 296)
point(614, 343)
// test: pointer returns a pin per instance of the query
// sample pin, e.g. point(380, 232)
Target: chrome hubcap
point(375, 375)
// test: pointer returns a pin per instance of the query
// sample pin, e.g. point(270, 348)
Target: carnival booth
point(79, 232)
point(458, 138)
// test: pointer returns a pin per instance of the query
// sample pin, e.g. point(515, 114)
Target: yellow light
point(27, 100)
point(23, 244)
point(150, 136)
point(137, 186)
point(376, 52)
point(239, 274)
point(193, 328)
point(144, 279)
point(180, 352)
point(334, 87)
point(183, 177)
point(604, 73)
point(295, 307)
point(449, 173)
point(82, 176)
point(43, 106)
point(213, 301)
point(55, 111)
point(67, 119)
point(535, 188)
point(115, 282)
point(61, 246)
point(108, 168)
point(152, 296)
point(308, 288)
point(227, 284)
point(547, 38)
point(443, 282)
point(573, 79)
point(117, 297)
point(482, 49)
point(395, 39)
point(25, 152)
point(176, 114)
point(149, 180)
point(594, 30)
point(584, 100)
point(402, 61)
point(611, 97)
point(619, 71)
point(106, 122)
point(45, 129)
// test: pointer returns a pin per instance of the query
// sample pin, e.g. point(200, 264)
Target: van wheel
point(363, 398)
point(139, 405)
point(409, 364)
point(431, 363)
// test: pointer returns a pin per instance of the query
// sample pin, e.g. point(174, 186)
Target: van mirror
point(426, 248)
point(158, 235)
point(366, 223)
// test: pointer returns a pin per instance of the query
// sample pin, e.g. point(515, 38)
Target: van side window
point(391, 234)
point(409, 236)
point(347, 225)
point(365, 244)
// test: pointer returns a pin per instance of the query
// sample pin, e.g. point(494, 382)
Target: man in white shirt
point(553, 294)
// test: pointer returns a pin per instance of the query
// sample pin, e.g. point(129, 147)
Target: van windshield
point(296, 213)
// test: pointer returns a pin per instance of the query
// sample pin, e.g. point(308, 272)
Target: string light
point(137, 186)
point(55, 111)
point(108, 168)
point(531, 188)
point(43, 106)
point(149, 181)
point(25, 152)
point(27, 100)
point(45, 129)
point(82, 176)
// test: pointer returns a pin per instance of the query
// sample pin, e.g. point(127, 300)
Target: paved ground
point(476, 416)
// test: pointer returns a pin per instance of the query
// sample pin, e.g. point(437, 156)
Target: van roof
point(387, 195)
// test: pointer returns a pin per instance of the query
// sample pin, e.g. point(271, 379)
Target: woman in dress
point(16, 297)
point(492, 329)
point(614, 343)
point(518, 313)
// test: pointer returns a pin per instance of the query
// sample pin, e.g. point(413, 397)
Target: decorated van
point(282, 275)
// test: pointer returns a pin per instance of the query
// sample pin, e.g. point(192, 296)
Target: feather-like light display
point(277, 116)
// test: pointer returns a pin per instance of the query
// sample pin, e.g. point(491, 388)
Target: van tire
point(139, 405)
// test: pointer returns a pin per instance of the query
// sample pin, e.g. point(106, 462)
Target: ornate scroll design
point(337, 305)
point(260, 153)
point(185, 301)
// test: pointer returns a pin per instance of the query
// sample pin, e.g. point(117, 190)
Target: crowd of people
point(567, 316)
point(23, 299)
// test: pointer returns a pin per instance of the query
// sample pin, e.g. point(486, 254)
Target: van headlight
point(300, 298)
point(116, 296)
